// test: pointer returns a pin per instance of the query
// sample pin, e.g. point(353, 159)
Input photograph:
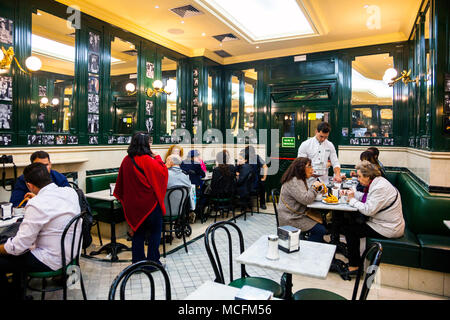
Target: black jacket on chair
point(195, 172)
point(223, 186)
point(245, 181)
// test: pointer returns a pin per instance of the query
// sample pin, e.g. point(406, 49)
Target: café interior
point(78, 78)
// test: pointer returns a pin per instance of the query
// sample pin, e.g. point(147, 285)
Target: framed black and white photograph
point(94, 62)
point(6, 88)
point(128, 139)
point(121, 139)
point(183, 125)
point(93, 123)
point(72, 140)
point(195, 92)
point(446, 124)
point(167, 139)
point(195, 111)
point(48, 139)
point(5, 116)
point(195, 73)
point(377, 141)
point(112, 140)
point(34, 139)
point(5, 139)
point(149, 124)
point(447, 102)
point(183, 118)
point(364, 141)
point(388, 141)
point(195, 102)
point(94, 42)
point(42, 91)
point(149, 107)
point(195, 82)
point(93, 85)
point(182, 111)
point(150, 70)
point(354, 141)
point(93, 140)
point(93, 103)
point(6, 31)
point(60, 140)
point(161, 139)
point(447, 83)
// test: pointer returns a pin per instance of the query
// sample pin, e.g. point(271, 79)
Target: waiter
point(320, 150)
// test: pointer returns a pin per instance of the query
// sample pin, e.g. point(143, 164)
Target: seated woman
point(368, 156)
point(223, 182)
point(244, 184)
point(381, 203)
point(192, 167)
point(295, 196)
point(174, 149)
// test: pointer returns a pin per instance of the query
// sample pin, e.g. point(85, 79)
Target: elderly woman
point(381, 203)
point(295, 196)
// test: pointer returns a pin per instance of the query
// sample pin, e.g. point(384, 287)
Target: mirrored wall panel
point(372, 99)
point(53, 42)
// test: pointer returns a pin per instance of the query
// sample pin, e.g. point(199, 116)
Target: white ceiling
point(340, 24)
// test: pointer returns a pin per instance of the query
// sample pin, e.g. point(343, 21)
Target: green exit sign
point(288, 142)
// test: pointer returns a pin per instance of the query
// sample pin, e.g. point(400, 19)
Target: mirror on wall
point(53, 42)
point(372, 98)
point(428, 71)
point(211, 116)
point(234, 116)
point(123, 86)
point(169, 101)
point(250, 79)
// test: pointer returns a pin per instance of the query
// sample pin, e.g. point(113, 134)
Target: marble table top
point(8, 222)
point(324, 206)
point(447, 223)
point(312, 260)
point(211, 290)
point(100, 195)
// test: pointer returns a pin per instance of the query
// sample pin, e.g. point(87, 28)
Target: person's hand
point(337, 179)
point(350, 194)
point(353, 174)
point(130, 231)
point(316, 185)
point(343, 193)
point(263, 179)
point(29, 195)
point(328, 164)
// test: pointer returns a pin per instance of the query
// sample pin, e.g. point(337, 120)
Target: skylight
point(263, 20)
point(55, 49)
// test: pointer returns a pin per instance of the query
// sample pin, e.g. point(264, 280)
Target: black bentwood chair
point(147, 267)
point(275, 198)
point(370, 258)
point(214, 258)
point(69, 268)
point(176, 220)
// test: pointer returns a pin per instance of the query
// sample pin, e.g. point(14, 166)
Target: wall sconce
point(131, 88)
point(405, 78)
point(44, 102)
point(158, 88)
point(8, 56)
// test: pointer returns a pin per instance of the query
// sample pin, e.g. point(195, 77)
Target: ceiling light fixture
point(257, 47)
point(182, 21)
point(203, 34)
point(156, 7)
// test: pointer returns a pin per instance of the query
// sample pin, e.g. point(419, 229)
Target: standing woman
point(141, 187)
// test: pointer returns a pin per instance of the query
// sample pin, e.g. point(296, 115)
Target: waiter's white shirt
point(46, 216)
point(319, 153)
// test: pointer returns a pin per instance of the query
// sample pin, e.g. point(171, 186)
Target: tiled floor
point(187, 271)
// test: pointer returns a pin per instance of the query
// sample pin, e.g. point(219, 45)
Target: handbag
point(361, 218)
point(314, 215)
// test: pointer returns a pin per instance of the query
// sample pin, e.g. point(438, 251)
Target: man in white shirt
point(37, 244)
point(319, 149)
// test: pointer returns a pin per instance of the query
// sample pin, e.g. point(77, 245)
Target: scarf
point(140, 193)
point(366, 191)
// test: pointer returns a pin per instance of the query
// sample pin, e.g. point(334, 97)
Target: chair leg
point(184, 241)
point(164, 242)
point(99, 234)
point(44, 285)
point(83, 290)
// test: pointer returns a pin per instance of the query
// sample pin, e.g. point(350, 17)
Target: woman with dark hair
point(141, 187)
point(295, 196)
point(223, 182)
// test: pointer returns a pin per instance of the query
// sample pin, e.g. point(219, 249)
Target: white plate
point(323, 201)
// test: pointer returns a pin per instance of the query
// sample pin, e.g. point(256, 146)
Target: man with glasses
point(319, 149)
point(21, 191)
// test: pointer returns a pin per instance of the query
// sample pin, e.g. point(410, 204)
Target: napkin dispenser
point(6, 210)
point(288, 239)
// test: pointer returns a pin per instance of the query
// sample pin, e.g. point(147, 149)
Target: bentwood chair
point(94, 214)
point(70, 270)
point(176, 220)
point(275, 198)
point(215, 258)
point(146, 267)
point(367, 269)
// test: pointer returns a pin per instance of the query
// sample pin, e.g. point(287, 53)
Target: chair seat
point(316, 294)
point(168, 218)
point(49, 274)
point(258, 282)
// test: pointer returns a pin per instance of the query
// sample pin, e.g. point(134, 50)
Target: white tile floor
point(187, 271)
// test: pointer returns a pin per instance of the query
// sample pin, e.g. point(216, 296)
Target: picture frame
point(94, 42)
point(6, 88)
point(6, 31)
point(5, 116)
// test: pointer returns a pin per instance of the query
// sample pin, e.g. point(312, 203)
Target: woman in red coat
point(141, 187)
